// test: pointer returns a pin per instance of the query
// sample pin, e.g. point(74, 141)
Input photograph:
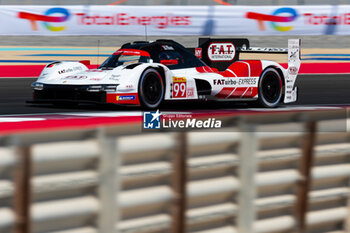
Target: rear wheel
point(151, 89)
point(270, 88)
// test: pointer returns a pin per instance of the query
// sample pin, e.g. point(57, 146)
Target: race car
point(147, 73)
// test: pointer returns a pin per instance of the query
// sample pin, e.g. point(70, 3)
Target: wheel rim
point(271, 87)
point(152, 89)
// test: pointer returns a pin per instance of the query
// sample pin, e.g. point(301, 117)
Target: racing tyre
point(151, 89)
point(270, 88)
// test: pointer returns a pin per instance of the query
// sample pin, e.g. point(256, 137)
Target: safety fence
point(273, 172)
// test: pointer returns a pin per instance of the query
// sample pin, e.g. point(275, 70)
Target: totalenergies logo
point(46, 18)
point(275, 18)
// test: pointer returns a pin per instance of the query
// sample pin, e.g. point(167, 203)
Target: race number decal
point(179, 87)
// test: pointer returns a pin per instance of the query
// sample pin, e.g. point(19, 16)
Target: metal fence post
point(305, 168)
point(179, 181)
point(109, 183)
point(248, 148)
point(347, 220)
point(22, 196)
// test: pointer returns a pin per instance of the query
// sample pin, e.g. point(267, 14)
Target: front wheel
point(151, 89)
point(270, 88)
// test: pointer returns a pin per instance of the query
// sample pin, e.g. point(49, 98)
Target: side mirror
point(169, 62)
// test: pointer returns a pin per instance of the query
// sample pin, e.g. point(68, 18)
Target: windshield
point(123, 59)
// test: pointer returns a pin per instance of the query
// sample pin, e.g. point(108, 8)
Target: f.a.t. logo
point(46, 18)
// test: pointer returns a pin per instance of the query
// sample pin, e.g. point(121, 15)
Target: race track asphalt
point(325, 90)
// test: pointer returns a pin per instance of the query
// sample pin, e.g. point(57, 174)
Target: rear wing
point(294, 62)
point(263, 50)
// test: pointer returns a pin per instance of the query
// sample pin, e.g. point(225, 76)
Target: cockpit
point(125, 57)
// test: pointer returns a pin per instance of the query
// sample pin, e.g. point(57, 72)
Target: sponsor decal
point(323, 19)
point(293, 70)
point(123, 19)
point(114, 77)
point(75, 68)
point(157, 120)
point(190, 92)
point(95, 79)
point(236, 81)
point(46, 18)
point(95, 71)
point(275, 18)
point(125, 97)
point(288, 14)
point(221, 51)
point(224, 82)
point(198, 52)
point(179, 89)
point(77, 77)
point(247, 81)
point(294, 53)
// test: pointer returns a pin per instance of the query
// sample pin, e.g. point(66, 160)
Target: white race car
point(148, 73)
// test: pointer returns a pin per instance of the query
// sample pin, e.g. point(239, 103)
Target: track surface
point(324, 89)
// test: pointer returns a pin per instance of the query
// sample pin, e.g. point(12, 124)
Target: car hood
point(85, 77)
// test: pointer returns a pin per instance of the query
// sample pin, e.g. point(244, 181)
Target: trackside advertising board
point(175, 20)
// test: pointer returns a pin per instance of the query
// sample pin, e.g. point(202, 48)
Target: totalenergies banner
point(175, 20)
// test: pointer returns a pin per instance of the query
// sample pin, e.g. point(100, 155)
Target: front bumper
point(93, 94)
point(68, 93)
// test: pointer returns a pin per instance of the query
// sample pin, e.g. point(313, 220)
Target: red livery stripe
point(206, 69)
point(323, 68)
point(226, 91)
point(238, 92)
point(251, 92)
point(245, 68)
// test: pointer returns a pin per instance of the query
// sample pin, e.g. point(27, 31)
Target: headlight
point(110, 88)
point(38, 86)
point(95, 88)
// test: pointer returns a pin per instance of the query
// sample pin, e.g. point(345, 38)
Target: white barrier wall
point(100, 180)
point(175, 20)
